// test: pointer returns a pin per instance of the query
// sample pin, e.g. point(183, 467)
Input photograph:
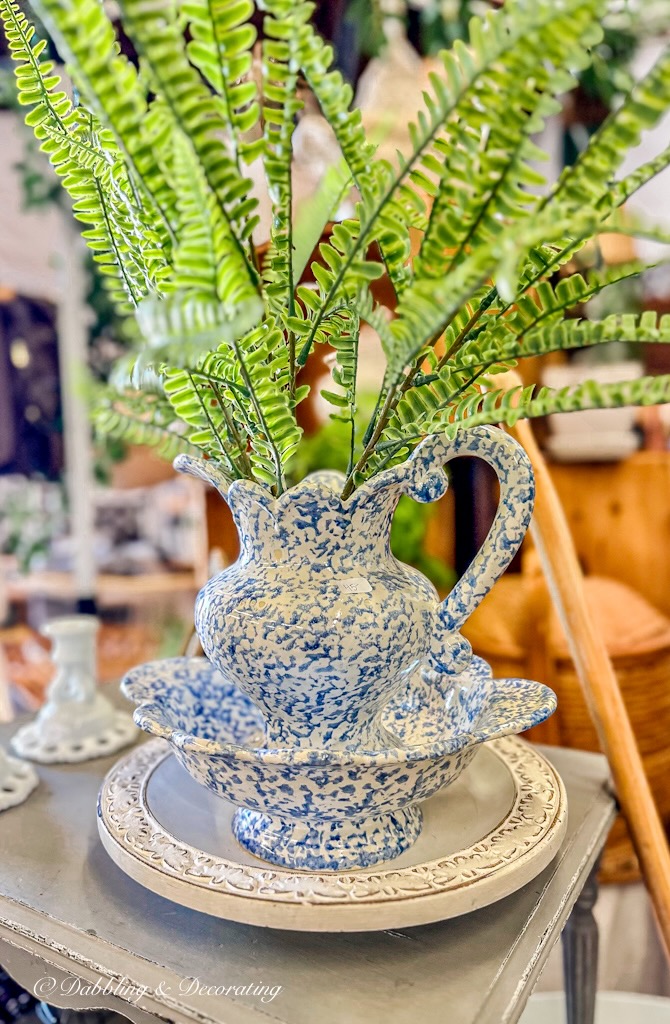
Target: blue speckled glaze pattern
point(330, 809)
point(329, 845)
point(317, 622)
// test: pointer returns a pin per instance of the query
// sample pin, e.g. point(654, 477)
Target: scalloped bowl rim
point(150, 715)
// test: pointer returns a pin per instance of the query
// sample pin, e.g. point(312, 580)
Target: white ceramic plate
point(484, 837)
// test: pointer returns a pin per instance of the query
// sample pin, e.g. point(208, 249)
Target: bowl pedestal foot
point(322, 845)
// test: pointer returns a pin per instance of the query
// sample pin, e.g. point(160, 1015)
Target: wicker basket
point(517, 630)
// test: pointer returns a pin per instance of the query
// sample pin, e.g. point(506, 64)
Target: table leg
point(580, 956)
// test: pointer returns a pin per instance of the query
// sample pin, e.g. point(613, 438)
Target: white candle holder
point(17, 780)
point(77, 723)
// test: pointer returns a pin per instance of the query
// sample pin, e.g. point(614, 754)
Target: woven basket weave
point(517, 630)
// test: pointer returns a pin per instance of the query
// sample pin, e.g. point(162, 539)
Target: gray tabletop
point(78, 932)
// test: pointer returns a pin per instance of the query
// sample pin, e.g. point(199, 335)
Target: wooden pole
point(599, 684)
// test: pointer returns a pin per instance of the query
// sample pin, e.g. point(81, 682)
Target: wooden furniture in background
point(551, 534)
point(517, 629)
point(111, 588)
point(140, 467)
point(619, 517)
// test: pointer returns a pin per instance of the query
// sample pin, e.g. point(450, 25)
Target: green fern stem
point(212, 426)
point(247, 260)
point(225, 92)
point(239, 441)
point(402, 385)
point(391, 448)
point(16, 22)
point(114, 245)
point(276, 458)
point(393, 395)
point(465, 333)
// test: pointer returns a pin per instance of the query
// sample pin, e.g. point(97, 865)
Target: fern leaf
point(263, 362)
point(342, 278)
point(344, 373)
point(198, 118)
point(534, 315)
point(284, 29)
point(501, 42)
point(492, 406)
point(587, 180)
point(486, 178)
point(221, 48)
point(335, 96)
point(570, 334)
point(314, 213)
point(150, 427)
point(112, 89)
point(505, 407)
point(628, 186)
point(436, 398)
point(200, 403)
point(87, 160)
point(179, 329)
point(256, 366)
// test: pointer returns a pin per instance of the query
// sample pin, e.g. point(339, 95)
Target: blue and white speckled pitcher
point(317, 622)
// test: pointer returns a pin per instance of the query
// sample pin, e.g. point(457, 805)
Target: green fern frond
point(500, 42)
point(543, 308)
point(52, 117)
point(196, 115)
point(509, 406)
point(315, 212)
point(254, 373)
point(562, 335)
point(486, 178)
point(201, 403)
point(88, 162)
point(149, 427)
point(483, 84)
point(155, 171)
point(181, 328)
point(335, 96)
point(341, 279)
point(499, 406)
point(283, 27)
point(263, 363)
point(628, 186)
point(111, 87)
point(570, 334)
point(344, 373)
point(110, 237)
point(587, 181)
point(221, 48)
point(195, 260)
point(435, 396)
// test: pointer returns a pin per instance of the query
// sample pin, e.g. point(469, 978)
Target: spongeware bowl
point(323, 809)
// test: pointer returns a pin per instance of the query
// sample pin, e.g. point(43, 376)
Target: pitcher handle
point(515, 508)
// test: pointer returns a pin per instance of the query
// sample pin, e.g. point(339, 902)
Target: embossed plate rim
point(362, 900)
